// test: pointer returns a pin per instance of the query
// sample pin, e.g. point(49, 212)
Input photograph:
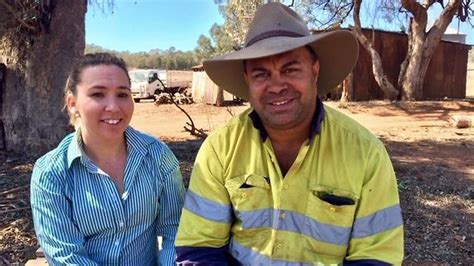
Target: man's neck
point(287, 143)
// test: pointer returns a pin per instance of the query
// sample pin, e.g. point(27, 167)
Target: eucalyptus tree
point(411, 15)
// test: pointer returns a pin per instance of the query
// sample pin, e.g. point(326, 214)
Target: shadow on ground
point(434, 185)
point(435, 182)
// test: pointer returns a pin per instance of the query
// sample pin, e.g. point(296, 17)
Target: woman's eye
point(123, 95)
point(97, 94)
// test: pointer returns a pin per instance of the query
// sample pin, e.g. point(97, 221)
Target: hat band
point(273, 33)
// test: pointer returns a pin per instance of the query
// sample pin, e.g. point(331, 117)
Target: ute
point(140, 85)
point(149, 83)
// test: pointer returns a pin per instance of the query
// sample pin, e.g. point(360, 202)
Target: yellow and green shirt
point(337, 203)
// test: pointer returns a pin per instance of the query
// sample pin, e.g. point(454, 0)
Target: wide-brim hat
point(276, 29)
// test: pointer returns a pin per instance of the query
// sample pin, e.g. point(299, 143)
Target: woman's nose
point(111, 104)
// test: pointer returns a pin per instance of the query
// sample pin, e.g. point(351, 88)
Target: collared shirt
point(80, 218)
point(337, 203)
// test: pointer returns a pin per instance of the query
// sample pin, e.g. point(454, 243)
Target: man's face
point(282, 88)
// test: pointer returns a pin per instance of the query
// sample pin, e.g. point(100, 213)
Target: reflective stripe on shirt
point(207, 208)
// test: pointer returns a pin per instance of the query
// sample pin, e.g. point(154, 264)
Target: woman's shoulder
point(146, 142)
point(55, 161)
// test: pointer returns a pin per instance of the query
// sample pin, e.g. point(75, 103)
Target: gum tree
point(422, 40)
point(330, 14)
point(39, 40)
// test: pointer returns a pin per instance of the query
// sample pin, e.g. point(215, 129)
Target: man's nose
point(277, 83)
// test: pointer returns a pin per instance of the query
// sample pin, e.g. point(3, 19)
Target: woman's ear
point(71, 103)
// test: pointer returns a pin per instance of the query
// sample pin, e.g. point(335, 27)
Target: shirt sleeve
point(60, 239)
point(171, 202)
point(204, 229)
point(377, 233)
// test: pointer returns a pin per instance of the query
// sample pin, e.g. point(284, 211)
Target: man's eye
point(260, 76)
point(291, 70)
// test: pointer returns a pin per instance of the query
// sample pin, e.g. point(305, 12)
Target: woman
point(107, 191)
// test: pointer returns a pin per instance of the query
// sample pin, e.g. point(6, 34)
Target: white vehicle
point(148, 83)
point(140, 86)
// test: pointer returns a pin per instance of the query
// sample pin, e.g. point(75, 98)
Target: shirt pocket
point(330, 219)
point(250, 195)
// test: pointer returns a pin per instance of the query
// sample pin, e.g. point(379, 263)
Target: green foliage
point(238, 15)
point(171, 59)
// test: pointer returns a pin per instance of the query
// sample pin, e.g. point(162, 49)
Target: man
point(290, 181)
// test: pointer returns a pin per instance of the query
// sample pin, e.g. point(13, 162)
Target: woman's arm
point(171, 203)
point(59, 237)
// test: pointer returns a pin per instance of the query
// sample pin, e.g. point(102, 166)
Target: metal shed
point(446, 75)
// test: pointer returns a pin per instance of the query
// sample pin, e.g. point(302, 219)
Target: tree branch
point(193, 130)
point(436, 32)
point(382, 80)
point(17, 16)
point(417, 10)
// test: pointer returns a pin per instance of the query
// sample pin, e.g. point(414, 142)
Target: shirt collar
point(132, 137)
point(315, 123)
point(75, 148)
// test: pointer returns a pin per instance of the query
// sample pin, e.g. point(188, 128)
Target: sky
point(143, 25)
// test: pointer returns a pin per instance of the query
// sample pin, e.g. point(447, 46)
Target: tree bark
point(220, 97)
point(422, 44)
point(37, 69)
point(385, 85)
point(347, 89)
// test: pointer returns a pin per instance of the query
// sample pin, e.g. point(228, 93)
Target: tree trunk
point(3, 69)
point(385, 85)
point(37, 68)
point(220, 97)
point(411, 83)
point(421, 45)
point(347, 89)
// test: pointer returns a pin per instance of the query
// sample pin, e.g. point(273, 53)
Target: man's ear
point(246, 78)
point(315, 68)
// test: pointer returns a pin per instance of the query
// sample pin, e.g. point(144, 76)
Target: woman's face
point(103, 102)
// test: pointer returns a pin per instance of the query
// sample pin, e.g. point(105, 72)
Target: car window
point(137, 76)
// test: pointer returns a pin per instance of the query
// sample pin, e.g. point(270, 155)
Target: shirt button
point(285, 186)
point(279, 246)
point(282, 215)
point(121, 224)
point(117, 243)
point(244, 195)
point(332, 209)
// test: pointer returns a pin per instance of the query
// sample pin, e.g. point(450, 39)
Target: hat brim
point(337, 52)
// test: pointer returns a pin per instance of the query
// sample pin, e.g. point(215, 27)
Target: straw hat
point(275, 29)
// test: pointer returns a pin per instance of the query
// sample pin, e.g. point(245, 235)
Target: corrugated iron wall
point(446, 75)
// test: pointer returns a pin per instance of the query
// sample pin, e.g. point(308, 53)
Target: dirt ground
point(434, 163)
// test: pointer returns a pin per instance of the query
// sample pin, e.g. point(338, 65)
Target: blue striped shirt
point(80, 218)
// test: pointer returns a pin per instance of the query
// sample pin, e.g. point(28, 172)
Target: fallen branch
point(14, 190)
point(7, 262)
point(193, 130)
point(17, 16)
point(14, 210)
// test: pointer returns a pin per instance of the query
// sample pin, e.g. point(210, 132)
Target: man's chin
point(280, 123)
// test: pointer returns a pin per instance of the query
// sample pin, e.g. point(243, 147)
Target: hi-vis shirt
point(337, 203)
